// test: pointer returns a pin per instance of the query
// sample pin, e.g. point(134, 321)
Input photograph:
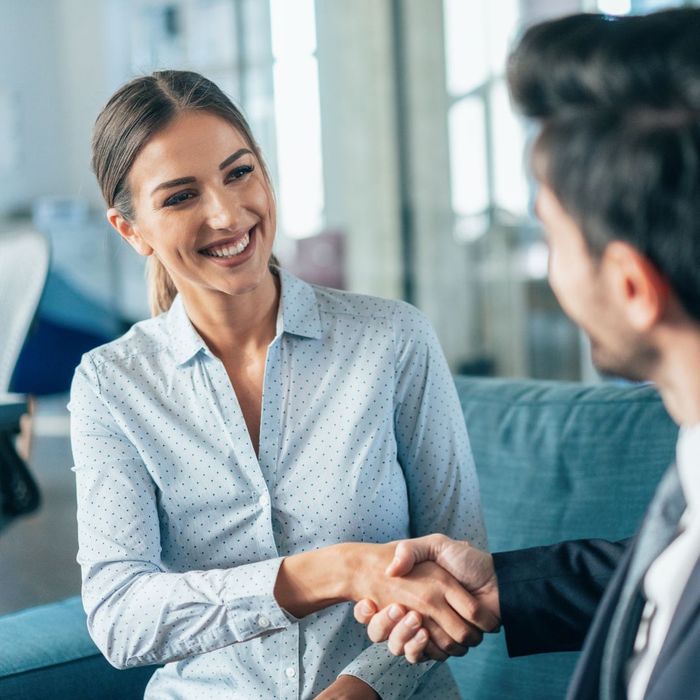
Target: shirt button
point(290, 672)
point(263, 622)
point(263, 500)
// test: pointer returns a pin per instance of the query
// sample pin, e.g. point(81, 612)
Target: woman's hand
point(314, 580)
point(348, 688)
point(444, 606)
point(470, 566)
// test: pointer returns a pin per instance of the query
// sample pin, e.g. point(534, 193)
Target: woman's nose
point(222, 210)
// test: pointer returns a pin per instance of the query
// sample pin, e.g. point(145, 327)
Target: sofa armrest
point(46, 652)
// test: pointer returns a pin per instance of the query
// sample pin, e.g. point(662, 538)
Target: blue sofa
point(555, 461)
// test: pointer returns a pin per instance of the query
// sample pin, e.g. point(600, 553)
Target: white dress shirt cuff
point(392, 677)
point(253, 601)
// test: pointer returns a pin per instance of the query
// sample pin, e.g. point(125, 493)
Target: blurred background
point(398, 163)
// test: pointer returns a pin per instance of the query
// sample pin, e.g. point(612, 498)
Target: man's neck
point(678, 374)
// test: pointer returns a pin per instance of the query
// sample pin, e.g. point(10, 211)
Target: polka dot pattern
point(182, 527)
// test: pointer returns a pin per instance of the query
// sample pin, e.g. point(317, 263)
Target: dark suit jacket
point(562, 598)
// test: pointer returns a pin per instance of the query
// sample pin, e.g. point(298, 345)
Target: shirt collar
point(298, 314)
point(185, 342)
point(688, 462)
point(299, 308)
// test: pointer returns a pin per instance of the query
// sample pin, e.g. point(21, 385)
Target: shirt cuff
point(251, 597)
point(391, 677)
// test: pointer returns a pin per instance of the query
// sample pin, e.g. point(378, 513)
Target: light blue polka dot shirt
point(182, 527)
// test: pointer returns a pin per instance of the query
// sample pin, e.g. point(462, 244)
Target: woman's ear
point(128, 232)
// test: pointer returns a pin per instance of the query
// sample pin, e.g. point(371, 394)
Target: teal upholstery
point(555, 461)
point(47, 654)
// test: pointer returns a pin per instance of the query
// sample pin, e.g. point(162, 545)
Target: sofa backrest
point(556, 461)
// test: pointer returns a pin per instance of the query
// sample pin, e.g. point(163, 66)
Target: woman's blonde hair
point(134, 114)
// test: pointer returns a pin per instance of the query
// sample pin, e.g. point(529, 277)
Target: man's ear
point(128, 232)
point(643, 292)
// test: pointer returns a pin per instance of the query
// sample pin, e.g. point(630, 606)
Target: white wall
point(31, 79)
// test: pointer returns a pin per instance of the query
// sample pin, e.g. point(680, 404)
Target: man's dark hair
point(618, 101)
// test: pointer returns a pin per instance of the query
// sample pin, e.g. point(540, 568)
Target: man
point(618, 161)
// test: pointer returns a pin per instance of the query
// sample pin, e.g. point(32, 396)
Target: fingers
point(405, 636)
point(414, 642)
point(364, 610)
point(468, 608)
point(446, 643)
point(453, 626)
point(408, 553)
point(382, 624)
point(415, 649)
point(432, 651)
point(404, 630)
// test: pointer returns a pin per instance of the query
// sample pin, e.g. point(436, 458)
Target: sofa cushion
point(556, 461)
point(46, 652)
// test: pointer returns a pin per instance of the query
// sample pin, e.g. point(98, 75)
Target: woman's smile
point(232, 251)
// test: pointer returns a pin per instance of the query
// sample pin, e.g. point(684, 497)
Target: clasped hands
point(438, 598)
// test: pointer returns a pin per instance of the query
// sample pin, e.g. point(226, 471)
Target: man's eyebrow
point(173, 183)
point(234, 156)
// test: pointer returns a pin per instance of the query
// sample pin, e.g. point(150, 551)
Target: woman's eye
point(178, 198)
point(239, 172)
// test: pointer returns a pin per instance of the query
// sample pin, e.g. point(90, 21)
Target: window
point(262, 54)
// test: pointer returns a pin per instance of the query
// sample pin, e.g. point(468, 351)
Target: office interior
point(399, 166)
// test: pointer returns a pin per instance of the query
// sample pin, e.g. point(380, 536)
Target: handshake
point(441, 597)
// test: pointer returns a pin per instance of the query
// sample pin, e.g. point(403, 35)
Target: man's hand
point(348, 688)
point(403, 630)
point(449, 613)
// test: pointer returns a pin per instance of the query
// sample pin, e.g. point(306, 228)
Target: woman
point(224, 448)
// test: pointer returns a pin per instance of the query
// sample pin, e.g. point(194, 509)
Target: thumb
point(408, 553)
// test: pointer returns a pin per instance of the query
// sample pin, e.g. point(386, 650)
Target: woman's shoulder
point(340, 302)
point(144, 339)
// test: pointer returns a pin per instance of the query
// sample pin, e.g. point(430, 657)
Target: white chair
point(24, 265)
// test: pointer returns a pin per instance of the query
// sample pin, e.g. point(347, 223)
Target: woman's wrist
point(314, 580)
point(362, 564)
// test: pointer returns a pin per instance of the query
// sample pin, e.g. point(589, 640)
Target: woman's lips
point(232, 251)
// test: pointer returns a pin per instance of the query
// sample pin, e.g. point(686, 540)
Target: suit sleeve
point(549, 595)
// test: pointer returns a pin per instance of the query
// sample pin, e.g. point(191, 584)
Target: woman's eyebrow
point(187, 180)
point(234, 156)
point(173, 183)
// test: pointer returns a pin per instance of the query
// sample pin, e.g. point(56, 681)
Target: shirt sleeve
point(435, 455)
point(137, 612)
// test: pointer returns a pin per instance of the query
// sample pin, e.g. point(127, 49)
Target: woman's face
point(203, 206)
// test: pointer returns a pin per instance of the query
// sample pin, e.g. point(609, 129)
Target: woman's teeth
point(229, 251)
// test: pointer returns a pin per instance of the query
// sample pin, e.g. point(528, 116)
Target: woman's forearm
point(314, 580)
